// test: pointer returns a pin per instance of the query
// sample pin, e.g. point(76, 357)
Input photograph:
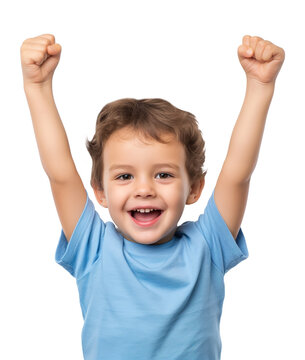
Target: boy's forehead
point(128, 133)
point(130, 145)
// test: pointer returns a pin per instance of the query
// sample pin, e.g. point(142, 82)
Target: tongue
point(146, 216)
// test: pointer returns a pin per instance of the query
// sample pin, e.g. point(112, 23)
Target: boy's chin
point(149, 240)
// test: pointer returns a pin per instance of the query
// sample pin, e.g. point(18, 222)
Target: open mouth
point(145, 217)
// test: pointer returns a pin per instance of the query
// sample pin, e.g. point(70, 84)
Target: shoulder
point(192, 234)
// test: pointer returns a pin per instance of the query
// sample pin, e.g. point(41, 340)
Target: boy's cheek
point(177, 194)
point(117, 198)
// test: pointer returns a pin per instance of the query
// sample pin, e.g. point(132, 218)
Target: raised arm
point(39, 58)
point(261, 61)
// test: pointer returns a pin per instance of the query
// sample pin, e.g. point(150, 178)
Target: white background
point(186, 53)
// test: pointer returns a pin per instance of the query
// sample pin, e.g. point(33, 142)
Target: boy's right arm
point(39, 58)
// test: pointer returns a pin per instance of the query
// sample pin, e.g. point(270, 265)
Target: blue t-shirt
point(151, 302)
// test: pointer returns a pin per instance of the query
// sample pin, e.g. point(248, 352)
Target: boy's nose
point(144, 188)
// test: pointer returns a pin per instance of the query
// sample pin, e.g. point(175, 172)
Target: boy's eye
point(124, 177)
point(163, 175)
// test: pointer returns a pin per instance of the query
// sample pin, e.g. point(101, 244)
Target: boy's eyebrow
point(119, 166)
point(171, 165)
point(125, 166)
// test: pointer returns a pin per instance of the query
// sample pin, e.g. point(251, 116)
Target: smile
point(145, 218)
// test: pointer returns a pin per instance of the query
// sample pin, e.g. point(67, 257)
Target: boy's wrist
point(256, 84)
point(259, 90)
point(40, 87)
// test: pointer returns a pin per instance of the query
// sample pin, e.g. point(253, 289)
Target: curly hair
point(151, 118)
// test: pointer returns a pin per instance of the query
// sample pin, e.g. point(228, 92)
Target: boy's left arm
point(262, 62)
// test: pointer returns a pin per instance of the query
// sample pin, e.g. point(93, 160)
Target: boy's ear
point(100, 197)
point(195, 191)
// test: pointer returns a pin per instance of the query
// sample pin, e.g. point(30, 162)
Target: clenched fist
point(39, 58)
point(261, 59)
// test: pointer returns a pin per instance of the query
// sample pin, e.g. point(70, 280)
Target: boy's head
point(146, 154)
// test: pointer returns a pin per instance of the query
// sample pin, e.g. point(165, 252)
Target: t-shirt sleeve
point(226, 252)
point(79, 254)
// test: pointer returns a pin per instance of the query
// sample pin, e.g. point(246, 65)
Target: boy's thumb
point(53, 57)
point(54, 49)
point(245, 51)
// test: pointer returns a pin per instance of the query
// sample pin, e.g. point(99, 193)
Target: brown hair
point(151, 118)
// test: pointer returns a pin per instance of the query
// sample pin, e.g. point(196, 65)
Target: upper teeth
point(145, 210)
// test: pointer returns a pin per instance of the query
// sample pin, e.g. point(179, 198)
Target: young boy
point(149, 289)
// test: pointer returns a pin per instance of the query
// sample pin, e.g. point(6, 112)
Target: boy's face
point(141, 174)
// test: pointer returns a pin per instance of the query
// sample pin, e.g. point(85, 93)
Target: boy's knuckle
point(25, 42)
point(246, 38)
point(48, 38)
point(43, 40)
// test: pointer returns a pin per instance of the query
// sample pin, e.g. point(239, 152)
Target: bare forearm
point(50, 134)
point(248, 132)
